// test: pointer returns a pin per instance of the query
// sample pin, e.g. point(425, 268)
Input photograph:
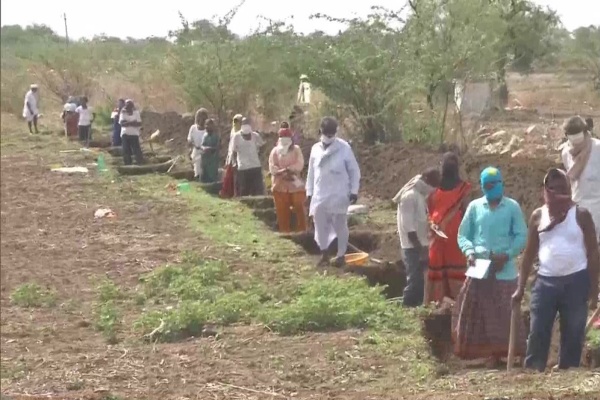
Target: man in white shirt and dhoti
point(332, 186)
point(30, 108)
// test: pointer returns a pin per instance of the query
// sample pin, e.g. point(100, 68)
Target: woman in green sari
point(210, 154)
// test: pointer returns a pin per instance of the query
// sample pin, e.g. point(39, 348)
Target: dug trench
point(388, 271)
point(382, 244)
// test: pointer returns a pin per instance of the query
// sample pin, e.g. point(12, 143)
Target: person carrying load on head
point(285, 165)
point(447, 205)
point(332, 185)
point(70, 118)
point(195, 137)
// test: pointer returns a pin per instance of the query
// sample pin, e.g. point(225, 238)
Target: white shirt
point(333, 174)
point(31, 99)
point(586, 190)
point(85, 115)
point(247, 150)
point(134, 117)
point(562, 250)
point(412, 217)
point(195, 137)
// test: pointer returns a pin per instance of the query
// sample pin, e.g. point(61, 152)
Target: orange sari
point(447, 264)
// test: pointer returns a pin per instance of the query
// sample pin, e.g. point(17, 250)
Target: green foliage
point(593, 339)
point(32, 295)
point(329, 303)
point(108, 291)
point(108, 320)
point(374, 74)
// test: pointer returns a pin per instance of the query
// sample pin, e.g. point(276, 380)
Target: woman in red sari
point(447, 264)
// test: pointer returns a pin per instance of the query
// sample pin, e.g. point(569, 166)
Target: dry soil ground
point(50, 237)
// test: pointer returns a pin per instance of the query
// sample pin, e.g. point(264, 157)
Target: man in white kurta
point(30, 107)
point(332, 186)
point(581, 158)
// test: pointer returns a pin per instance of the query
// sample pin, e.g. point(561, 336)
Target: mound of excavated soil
point(386, 168)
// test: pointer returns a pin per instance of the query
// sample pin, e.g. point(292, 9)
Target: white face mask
point(246, 129)
point(327, 139)
point(576, 138)
point(285, 142)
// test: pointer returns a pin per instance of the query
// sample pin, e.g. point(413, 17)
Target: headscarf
point(489, 175)
point(558, 204)
point(450, 172)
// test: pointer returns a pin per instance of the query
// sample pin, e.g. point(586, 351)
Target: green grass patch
point(593, 338)
point(107, 320)
point(30, 295)
point(107, 291)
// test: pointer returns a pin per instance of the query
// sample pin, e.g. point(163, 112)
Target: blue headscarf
point(492, 175)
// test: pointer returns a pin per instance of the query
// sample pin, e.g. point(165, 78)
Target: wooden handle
point(514, 323)
point(595, 315)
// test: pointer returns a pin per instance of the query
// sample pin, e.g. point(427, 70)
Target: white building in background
point(473, 97)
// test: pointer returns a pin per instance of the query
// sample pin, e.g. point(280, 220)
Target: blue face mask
point(495, 193)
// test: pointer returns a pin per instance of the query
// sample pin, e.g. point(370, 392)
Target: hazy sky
point(140, 19)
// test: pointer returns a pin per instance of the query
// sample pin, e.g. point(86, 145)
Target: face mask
point(495, 193)
point(576, 138)
point(327, 139)
point(285, 142)
point(246, 129)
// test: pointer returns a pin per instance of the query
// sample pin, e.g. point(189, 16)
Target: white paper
point(479, 270)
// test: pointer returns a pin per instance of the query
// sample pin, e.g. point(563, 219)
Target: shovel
point(512, 341)
point(590, 322)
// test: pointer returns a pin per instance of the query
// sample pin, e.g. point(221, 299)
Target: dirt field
point(50, 237)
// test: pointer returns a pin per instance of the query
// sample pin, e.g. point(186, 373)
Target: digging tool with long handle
point(590, 322)
point(512, 341)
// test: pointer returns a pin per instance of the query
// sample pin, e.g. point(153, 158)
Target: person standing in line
point(86, 117)
point(30, 107)
point(131, 123)
point(285, 165)
point(70, 119)
point(210, 153)
point(332, 185)
point(245, 149)
point(195, 137)
point(581, 158)
point(231, 162)
point(413, 229)
point(116, 136)
point(492, 229)
point(562, 236)
point(447, 205)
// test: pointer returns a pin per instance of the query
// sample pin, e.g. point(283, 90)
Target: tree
point(584, 51)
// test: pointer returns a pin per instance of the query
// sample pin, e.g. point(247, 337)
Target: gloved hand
point(353, 198)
